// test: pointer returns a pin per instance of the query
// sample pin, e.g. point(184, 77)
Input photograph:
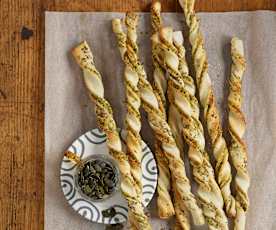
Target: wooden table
point(22, 95)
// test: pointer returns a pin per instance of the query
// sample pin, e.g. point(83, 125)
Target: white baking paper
point(69, 113)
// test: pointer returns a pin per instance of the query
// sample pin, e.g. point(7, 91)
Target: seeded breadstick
point(161, 128)
point(133, 118)
point(164, 202)
point(160, 90)
point(207, 101)
point(237, 124)
point(184, 100)
point(159, 76)
point(93, 82)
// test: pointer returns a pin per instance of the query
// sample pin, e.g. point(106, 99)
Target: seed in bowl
point(97, 179)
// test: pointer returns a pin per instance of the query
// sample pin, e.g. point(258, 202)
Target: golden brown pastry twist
point(207, 101)
point(105, 120)
point(164, 202)
point(133, 118)
point(156, 20)
point(184, 100)
point(159, 76)
point(160, 90)
point(161, 129)
point(237, 124)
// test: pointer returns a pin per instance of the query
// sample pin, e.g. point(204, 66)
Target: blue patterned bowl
point(90, 144)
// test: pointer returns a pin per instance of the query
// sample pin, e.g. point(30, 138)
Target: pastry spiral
point(159, 76)
point(133, 118)
point(238, 151)
point(207, 101)
point(182, 97)
point(105, 120)
point(164, 202)
point(161, 129)
point(160, 90)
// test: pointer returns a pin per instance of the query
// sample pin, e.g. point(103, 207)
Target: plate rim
point(100, 218)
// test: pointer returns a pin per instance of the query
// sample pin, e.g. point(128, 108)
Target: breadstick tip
point(116, 25)
point(156, 6)
point(237, 45)
point(79, 50)
point(132, 18)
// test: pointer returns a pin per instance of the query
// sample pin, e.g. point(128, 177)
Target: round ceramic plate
point(94, 142)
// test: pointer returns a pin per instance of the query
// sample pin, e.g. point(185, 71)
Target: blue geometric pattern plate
point(94, 142)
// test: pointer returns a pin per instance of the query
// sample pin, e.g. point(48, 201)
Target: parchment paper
point(69, 113)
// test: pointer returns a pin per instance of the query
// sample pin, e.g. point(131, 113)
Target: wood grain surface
point(22, 95)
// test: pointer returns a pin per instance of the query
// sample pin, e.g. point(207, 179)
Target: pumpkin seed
point(98, 168)
point(87, 189)
point(110, 212)
point(92, 170)
point(103, 164)
point(97, 179)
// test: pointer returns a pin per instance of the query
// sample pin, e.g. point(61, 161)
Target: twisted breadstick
point(164, 202)
point(161, 129)
point(207, 101)
point(186, 104)
point(133, 118)
point(93, 82)
point(156, 20)
point(160, 88)
point(237, 124)
point(159, 76)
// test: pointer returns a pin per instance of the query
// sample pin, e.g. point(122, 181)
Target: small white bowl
point(106, 159)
